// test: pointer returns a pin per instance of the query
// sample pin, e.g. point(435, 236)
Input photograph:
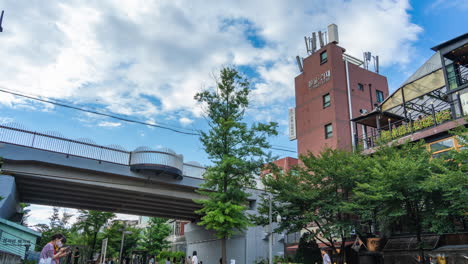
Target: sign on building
point(292, 123)
point(319, 80)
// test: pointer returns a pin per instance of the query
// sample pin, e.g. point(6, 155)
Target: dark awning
point(370, 119)
point(411, 243)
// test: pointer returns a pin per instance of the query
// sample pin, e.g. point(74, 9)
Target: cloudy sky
point(146, 59)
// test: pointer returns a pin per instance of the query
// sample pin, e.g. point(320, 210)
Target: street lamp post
point(270, 237)
point(122, 243)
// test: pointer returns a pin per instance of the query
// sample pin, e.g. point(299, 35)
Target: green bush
point(163, 255)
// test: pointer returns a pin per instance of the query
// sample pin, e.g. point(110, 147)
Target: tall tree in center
point(237, 152)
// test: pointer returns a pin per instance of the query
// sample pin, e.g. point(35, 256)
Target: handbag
point(45, 261)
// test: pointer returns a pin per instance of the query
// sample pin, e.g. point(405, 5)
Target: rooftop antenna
point(367, 60)
point(1, 19)
point(307, 44)
point(299, 63)
point(377, 64)
point(320, 38)
point(314, 42)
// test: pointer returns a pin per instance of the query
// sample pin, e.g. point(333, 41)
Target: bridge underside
point(47, 191)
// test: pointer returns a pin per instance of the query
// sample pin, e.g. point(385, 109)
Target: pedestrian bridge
point(50, 169)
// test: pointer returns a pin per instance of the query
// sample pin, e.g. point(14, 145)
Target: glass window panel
point(323, 57)
point(328, 131)
point(451, 76)
point(441, 145)
point(360, 87)
point(380, 96)
point(441, 154)
point(326, 100)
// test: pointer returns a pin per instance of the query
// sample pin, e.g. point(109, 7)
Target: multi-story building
point(332, 88)
point(426, 106)
point(341, 104)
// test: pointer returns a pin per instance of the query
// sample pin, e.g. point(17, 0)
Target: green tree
point(58, 224)
point(154, 238)
point(316, 196)
point(114, 235)
point(90, 223)
point(237, 152)
point(410, 187)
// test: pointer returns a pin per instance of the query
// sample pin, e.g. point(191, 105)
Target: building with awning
point(435, 95)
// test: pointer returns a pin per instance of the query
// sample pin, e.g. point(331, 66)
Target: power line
point(85, 107)
point(49, 101)
point(287, 150)
point(99, 113)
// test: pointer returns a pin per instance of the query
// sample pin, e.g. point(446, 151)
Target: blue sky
point(146, 59)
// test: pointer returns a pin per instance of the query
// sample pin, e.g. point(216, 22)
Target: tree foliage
point(58, 224)
point(316, 196)
point(397, 188)
point(237, 152)
point(414, 190)
point(113, 233)
point(154, 238)
point(90, 223)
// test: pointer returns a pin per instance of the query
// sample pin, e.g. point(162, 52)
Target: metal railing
point(86, 148)
point(402, 128)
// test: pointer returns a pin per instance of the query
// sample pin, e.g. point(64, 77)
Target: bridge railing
point(52, 141)
point(79, 148)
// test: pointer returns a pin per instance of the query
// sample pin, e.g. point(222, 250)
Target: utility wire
point(99, 113)
point(279, 148)
point(86, 107)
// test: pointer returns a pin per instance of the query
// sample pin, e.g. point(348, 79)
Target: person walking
point(54, 250)
point(194, 258)
point(326, 259)
point(188, 260)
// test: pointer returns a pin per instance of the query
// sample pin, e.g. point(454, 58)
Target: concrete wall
point(9, 203)
point(244, 248)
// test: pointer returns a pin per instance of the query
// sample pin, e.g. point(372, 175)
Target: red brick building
point(322, 102)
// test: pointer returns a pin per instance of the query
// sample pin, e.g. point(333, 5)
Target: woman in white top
point(194, 258)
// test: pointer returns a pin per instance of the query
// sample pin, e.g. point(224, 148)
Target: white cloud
point(40, 215)
point(6, 120)
point(109, 124)
point(149, 58)
point(185, 121)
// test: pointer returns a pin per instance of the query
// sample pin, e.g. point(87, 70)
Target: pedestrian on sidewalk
point(326, 259)
point(54, 250)
point(194, 258)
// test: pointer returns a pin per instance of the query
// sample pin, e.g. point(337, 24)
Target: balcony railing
point(402, 128)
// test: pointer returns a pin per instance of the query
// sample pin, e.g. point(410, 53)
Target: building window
point(326, 100)
point(380, 96)
point(252, 204)
point(360, 86)
point(328, 131)
point(442, 148)
point(323, 57)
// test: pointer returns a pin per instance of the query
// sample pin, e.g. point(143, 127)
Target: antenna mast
point(1, 19)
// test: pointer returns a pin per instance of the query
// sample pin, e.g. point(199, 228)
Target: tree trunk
point(224, 250)
point(421, 249)
point(94, 245)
